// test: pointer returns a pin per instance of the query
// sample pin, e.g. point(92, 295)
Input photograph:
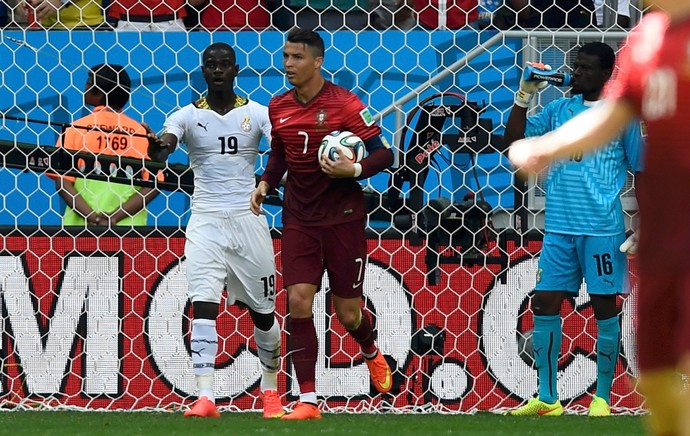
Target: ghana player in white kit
point(226, 243)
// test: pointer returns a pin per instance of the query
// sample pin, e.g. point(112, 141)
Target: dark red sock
point(364, 335)
point(303, 352)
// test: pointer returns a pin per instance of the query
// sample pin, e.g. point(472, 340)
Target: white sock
point(204, 347)
point(309, 397)
point(268, 349)
point(370, 356)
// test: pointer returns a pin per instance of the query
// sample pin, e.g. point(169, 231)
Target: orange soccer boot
point(203, 408)
point(303, 412)
point(380, 373)
point(273, 408)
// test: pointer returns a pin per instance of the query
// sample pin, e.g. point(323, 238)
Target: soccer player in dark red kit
point(323, 209)
point(653, 82)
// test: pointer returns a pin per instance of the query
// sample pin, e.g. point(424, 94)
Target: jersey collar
point(202, 103)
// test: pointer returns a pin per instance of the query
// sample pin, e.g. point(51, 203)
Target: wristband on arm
point(523, 98)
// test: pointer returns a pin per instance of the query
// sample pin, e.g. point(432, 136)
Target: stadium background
point(99, 319)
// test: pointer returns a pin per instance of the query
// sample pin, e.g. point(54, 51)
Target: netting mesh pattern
point(100, 320)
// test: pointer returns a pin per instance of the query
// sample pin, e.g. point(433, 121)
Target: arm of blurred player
point(591, 129)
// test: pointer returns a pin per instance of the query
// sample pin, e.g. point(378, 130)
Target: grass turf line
point(150, 423)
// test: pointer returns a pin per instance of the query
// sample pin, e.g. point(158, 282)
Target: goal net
point(98, 318)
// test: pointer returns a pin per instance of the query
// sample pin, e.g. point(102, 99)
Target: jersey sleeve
point(176, 123)
point(358, 119)
point(276, 164)
point(265, 122)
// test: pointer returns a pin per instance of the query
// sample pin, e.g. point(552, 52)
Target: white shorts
point(231, 250)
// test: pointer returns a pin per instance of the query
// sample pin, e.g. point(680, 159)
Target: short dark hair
point(113, 82)
point(606, 55)
point(309, 38)
point(219, 46)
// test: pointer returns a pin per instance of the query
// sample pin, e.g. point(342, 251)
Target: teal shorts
point(566, 259)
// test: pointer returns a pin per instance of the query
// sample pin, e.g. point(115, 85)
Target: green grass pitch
point(37, 423)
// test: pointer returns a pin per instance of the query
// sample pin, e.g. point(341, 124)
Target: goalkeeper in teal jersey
point(584, 228)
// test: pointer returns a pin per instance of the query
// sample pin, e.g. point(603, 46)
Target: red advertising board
point(103, 323)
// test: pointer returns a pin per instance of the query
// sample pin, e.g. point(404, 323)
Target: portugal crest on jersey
point(320, 118)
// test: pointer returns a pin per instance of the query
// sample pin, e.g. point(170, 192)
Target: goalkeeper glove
point(528, 88)
point(629, 247)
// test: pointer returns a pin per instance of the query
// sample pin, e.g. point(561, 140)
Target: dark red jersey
point(654, 75)
point(311, 197)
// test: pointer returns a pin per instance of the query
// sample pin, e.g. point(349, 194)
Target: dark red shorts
point(340, 249)
point(663, 314)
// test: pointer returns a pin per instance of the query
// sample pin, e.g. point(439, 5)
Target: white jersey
point(222, 151)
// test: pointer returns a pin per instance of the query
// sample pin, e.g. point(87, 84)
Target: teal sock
point(608, 344)
point(547, 346)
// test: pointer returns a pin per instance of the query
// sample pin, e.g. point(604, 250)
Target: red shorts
point(663, 313)
point(340, 249)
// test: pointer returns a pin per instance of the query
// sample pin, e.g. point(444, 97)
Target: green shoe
point(599, 407)
point(535, 407)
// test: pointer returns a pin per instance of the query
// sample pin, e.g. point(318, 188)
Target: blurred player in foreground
point(323, 210)
point(227, 245)
point(96, 202)
point(654, 83)
point(584, 228)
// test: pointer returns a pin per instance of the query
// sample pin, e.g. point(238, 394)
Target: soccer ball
point(351, 144)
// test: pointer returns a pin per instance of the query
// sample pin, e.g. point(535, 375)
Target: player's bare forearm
point(515, 127)
point(591, 129)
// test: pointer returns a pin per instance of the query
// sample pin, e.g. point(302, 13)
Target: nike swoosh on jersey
point(282, 120)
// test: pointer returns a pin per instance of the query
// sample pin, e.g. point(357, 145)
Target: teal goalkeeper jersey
point(583, 191)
